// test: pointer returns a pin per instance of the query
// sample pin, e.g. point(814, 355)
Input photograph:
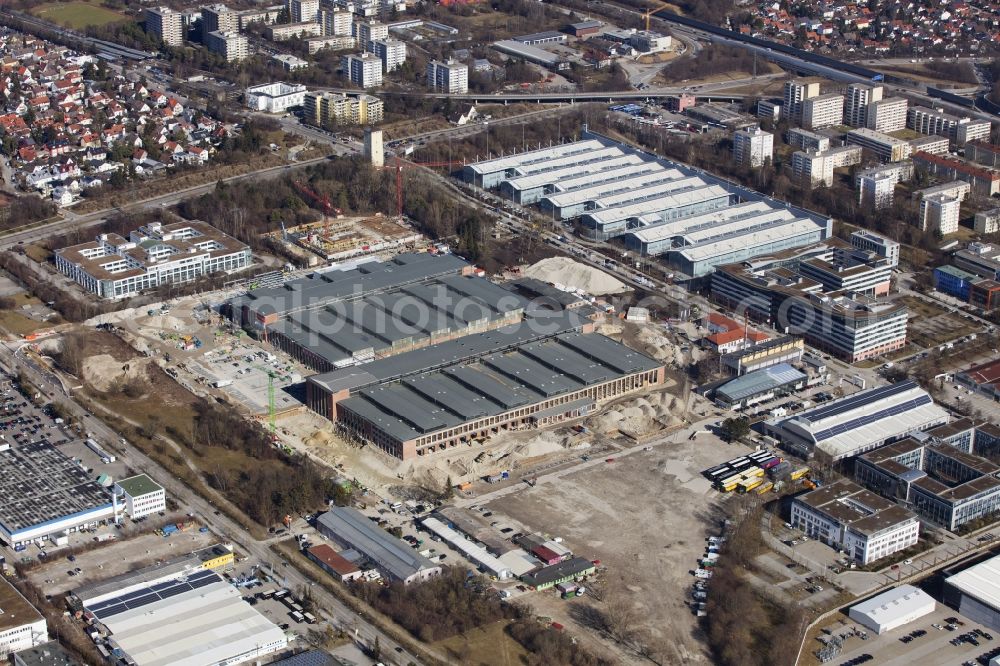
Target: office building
point(166, 24)
point(155, 254)
point(366, 31)
point(954, 281)
point(983, 152)
point(219, 18)
point(393, 557)
point(232, 46)
point(752, 148)
point(206, 619)
point(325, 109)
point(142, 496)
point(846, 268)
point(647, 41)
point(391, 52)
point(887, 115)
point(43, 493)
point(21, 625)
point(940, 213)
point(448, 77)
point(983, 259)
point(796, 92)
point(975, 593)
point(987, 221)
point(363, 69)
point(803, 139)
point(985, 182)
point(985, 295)
point(880, 246)
point(877, 191)
point(823, 111)
point(303, 11)
point(847, 517)
point(939, 473)
point(886, 148)
point(958, 130)
point(275, 97)
point(892, 609)
point(859, 97)
point(337, 22)
point(860, 422)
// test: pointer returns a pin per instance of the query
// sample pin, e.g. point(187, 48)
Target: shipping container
point(310, 618)
point(765, 488)
point(773, 462)
point(799, 473)
point(297, 616)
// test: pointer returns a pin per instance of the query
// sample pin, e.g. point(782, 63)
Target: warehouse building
point(847, 517)
point(487, 563)
point(563, 572)
point(193, 621)
point(344, 317)
point(21, 625)
point(759, 386)
point(859, 422)
point(43, 492)
point(532, 54)
point(975, 593)
point(892, 609)
point(464, 391)
point(938, 473)
point(783, 349)
point(334, 563)
point(394, 558)
point(984, 379)
point(572, 197)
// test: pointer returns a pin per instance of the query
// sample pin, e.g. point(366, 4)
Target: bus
point(729, 483)
point(765, 487)
point(746, 485)
point(753, 472)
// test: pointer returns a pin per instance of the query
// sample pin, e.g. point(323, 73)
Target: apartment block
point(232, 46)
point(299, 30)
point(813, 168)
point(859, 97)
point(983, 152)
point(985, 182)
point(752, 148)
point(796, 92)
point(887, 115)
point(988, 221)
point(823, 111)
point(958, 130)
point(337, 22)
point(366, 31)
point(940, 213)
point(876, 192)
point(934, 145)
point(328, 108)
point(448, 77)
point(303, 11)
point(219, 18)
point(803, 139)
point(166, 24)
point(363, 69)
point(886, 148)
point(391, 52)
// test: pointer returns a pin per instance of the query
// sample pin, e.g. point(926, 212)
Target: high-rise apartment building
point(166, 24)
point(219, 18)
point(302, 11)
point(230, 45)
point(391, 52)
point(337, 22)
point(367, 31)
point(449, 77)
point(940, 212)
point(859, 96)
point(363, 69)
point(753, 147)
point(796, 92)
point(823, 111)
point(887, 115)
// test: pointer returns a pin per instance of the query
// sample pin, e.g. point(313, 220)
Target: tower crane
point(652, 10)
point(321, 201)
point(399, 164)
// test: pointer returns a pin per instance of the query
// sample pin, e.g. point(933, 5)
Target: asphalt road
point(259, 551)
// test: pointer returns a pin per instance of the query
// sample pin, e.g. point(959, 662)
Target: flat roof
point(46, 654)
point(199, 620)
point(859, 509)
point(541, 178)
point(392, 555)
point(40, 484)
point(495, 384)
point(981, 581)
point(760, 381)
point(15, 611)
point(649, 208)
point(141, 484)
point(637, 184)
point(526, 51)
point(895, 604)
point(987, 373)
point(541, 155)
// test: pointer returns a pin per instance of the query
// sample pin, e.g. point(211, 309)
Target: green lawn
point(78, 14)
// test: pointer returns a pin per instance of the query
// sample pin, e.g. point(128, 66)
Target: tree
point(735, 429)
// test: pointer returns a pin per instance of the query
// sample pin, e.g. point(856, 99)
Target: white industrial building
point(200, 620)
point(21, 625)
point(142, 496)
point(892, 609)
point(275, 97)
point(975, 592)
point(859, 422)
point(847, 517)
point(489, 564)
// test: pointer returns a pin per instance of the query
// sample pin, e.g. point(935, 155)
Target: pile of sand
point(640, 416)
point(573, 274)
point(657, 345)
point(103, 370)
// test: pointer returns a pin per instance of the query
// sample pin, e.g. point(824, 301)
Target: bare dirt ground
point(645, 517)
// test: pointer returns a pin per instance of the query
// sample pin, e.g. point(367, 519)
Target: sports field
point(77, 14)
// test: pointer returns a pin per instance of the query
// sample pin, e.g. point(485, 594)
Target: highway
point(259, 551)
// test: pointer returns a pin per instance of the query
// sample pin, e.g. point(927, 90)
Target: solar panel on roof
point(858, 399)
point(859, 422)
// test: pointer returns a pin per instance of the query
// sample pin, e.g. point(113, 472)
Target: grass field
point(78, 14)
point(485, 645)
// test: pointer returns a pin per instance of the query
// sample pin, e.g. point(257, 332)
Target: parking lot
point(932, 648)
